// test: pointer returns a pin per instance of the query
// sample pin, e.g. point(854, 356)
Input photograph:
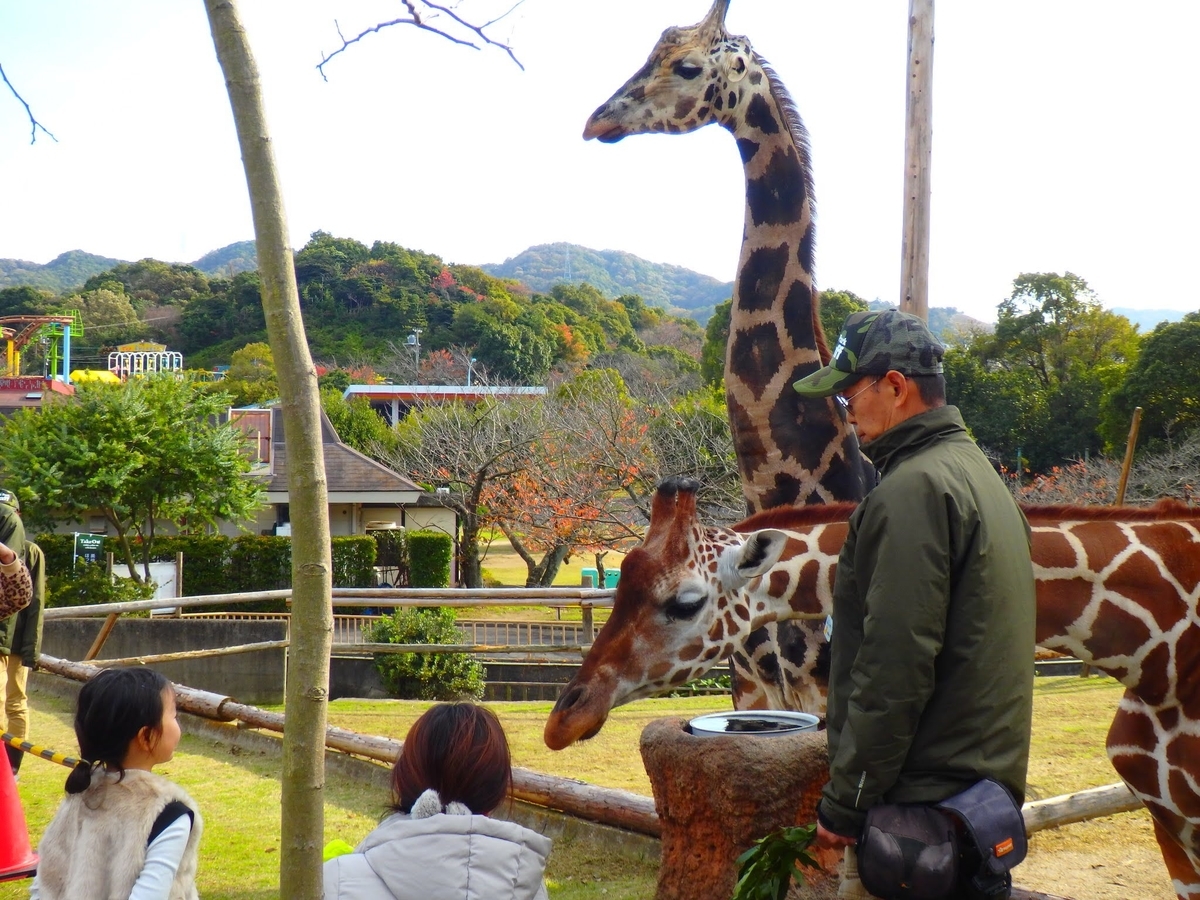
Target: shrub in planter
point(426, 676)
point(89, 584)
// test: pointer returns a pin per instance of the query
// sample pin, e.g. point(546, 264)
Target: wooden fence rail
point(383, 597)
point(622, 809)
point(608, 806)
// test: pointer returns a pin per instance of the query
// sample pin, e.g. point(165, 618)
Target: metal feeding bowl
point(764, 722)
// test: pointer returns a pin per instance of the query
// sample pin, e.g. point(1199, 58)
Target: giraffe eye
point(684, 606)
point(687, 70)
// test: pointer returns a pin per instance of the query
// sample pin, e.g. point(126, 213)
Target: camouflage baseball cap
point(875, 343)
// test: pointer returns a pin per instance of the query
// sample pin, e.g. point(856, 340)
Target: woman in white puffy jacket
point(439, 843)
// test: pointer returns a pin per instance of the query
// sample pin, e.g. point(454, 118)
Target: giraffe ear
point(735, 67)
point(761, 551)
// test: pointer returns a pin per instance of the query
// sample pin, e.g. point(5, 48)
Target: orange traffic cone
point(17, 859)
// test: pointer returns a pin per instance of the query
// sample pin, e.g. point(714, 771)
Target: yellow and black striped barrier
point(42, 752)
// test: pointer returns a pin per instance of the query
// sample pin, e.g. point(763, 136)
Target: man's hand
point(7, 555)
point(827, 839)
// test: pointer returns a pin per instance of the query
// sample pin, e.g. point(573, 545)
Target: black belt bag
point(914, 851)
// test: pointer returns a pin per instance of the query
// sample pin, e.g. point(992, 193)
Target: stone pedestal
point(717, 795)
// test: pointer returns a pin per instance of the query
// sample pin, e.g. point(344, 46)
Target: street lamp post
point(414, 341)
point(470, 370)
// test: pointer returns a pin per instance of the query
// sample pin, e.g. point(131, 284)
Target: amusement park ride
point(53, 333)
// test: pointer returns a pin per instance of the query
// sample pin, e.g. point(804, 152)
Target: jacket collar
point(913, 435)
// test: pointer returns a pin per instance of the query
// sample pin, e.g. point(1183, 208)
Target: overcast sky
point(1065, 137)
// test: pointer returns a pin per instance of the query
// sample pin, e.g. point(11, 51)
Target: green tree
point(472, 449)
point(358, 425)
point(251, 379)
point(1164, 381)
point(108, 316)
point(150, 282)
point(836, 307)
point(1055, 325)
point(142, 453)
point(716, 337)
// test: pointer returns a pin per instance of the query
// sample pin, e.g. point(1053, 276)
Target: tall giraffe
point(1118, 588)
point(790, 449)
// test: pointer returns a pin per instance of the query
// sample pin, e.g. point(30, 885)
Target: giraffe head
point(689, 595)
point(692, 78)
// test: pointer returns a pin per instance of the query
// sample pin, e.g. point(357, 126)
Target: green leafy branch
point(766, 870)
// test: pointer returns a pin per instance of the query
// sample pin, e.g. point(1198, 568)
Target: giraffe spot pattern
point(777, 196)
point(755, 356)
point(798, 319)
point(1137, 729)
point(760, 278)
point(684, 107)
point(1183, 749)
point(1187, 659)
point(746, 149)
point(802, 429)
point(1139, 770)
point(756, 77)
point(777, 584)
point(1154, 681)
point(1177, 546)
point(1061, 600)
point(1117, 633)
point(769, 664)
point(1139, 576)
point(659, 669)
point(760, 115)
point(1183, 793)
point(804, 599)
point(786, 491)
point(1168, 718)
point(806, 251)
point(747, 444)
point(692, 650)
point(1101, 540)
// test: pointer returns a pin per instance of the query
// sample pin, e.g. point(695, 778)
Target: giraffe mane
point(1166, 509)
point(795, 127)
point(788, 517)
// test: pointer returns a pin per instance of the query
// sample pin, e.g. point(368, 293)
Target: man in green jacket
point(931, 678)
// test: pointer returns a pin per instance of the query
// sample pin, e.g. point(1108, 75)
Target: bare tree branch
point(34, 124)
point(417, 20)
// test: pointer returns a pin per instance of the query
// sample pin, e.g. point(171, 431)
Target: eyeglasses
point(846, 401)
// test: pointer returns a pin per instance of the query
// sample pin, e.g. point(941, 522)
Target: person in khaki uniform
point(931, 675)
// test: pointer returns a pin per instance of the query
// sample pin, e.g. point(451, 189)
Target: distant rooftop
point(437, 391)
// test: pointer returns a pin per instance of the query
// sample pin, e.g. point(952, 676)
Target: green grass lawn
point(239, 793)
point(503, 564)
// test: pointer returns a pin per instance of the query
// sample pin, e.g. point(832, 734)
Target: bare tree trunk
point(303, 819)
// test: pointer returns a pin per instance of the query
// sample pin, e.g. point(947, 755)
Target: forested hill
point(613, 273)
point(67, 270)
point(70, 270)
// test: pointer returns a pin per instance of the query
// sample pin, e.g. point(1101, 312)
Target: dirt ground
point(1112, 858)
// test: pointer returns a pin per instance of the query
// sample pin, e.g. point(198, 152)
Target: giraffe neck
point(790, 450)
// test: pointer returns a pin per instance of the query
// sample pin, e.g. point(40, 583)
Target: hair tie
point(430, 804)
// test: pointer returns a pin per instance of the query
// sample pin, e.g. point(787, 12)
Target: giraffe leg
point(1140, 747)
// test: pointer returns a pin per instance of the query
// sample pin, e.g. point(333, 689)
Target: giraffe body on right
point(1117, 587)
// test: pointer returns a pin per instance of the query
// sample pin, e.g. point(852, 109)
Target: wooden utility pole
point(918, 146)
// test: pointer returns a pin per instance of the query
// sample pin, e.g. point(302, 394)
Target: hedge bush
point(212, 564)
point(429, 555)
point(426, 676)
